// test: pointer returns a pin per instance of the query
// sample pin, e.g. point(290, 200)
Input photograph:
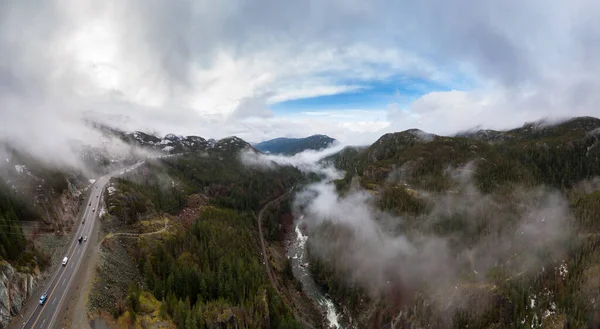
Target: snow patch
point(111, 190)
point(92, 181)
point(20, 168)
point(168, 148)
point(562, 269)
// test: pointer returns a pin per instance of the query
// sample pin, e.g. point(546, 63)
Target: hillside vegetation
point(476, 192)
point(558, 155)
point(206, 269)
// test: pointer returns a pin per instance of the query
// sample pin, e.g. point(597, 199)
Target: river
point(296, 252)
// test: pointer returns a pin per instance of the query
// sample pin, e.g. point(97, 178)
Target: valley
point(328, 164)
point(415, 230)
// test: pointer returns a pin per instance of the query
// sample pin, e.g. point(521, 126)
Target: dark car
point(43, 299)
point(80, 239)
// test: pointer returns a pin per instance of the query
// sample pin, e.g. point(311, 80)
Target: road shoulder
point(74, 311)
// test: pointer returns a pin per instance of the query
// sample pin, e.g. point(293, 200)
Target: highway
point(44, 316)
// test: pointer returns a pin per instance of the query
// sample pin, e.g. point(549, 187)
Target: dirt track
point(76, 309)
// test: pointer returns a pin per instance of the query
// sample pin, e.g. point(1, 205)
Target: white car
point(65, 260)
point(85, 238)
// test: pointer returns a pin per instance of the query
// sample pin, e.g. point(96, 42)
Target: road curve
point(44, 316)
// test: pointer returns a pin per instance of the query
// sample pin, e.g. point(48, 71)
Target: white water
point(332, 315)
point(296, 253)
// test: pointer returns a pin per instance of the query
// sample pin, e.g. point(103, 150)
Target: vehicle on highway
point(85, 239)
point(83, 221)
point(65, 260)
point(80, 239)
point(93, 209)
point(43, 299)
point(90, 204)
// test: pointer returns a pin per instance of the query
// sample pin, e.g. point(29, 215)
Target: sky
point(261, 69)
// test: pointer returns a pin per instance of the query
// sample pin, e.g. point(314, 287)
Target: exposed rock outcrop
point(15, 288)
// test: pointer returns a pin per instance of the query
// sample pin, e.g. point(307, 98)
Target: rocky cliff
point(15, 288)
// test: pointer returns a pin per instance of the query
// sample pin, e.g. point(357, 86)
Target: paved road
point(44, 316)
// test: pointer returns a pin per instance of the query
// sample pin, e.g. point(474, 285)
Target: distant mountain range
point(291, 146)
point(172, 143)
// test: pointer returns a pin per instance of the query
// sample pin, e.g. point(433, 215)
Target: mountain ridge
point(291, 146)
point(404, 171)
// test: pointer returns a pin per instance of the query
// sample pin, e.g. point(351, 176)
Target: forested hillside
point(558, 155)
point(480, 193)
point(205, 269)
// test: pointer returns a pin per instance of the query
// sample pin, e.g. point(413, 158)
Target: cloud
point(306, 161)
point(194, 67)
point(446, 113)
point(393, 258)
point(252, 107)
point(460, 239)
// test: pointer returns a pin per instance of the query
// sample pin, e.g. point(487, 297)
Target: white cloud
point(306, 161)
point(292, 92)
point(454, 111)
point(205, 68)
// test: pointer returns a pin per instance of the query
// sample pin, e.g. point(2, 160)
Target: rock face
point(15, 288)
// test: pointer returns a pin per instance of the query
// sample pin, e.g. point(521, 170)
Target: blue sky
point(371, 95)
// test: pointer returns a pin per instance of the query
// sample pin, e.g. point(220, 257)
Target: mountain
point(40, 201)
point(291, 146)
point(497, 201)
point(557, 154)
point(482, 229)
point(175, 144)
point(138, 144)
point(209, 253)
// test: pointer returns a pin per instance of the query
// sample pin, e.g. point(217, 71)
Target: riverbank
point(274, 260)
